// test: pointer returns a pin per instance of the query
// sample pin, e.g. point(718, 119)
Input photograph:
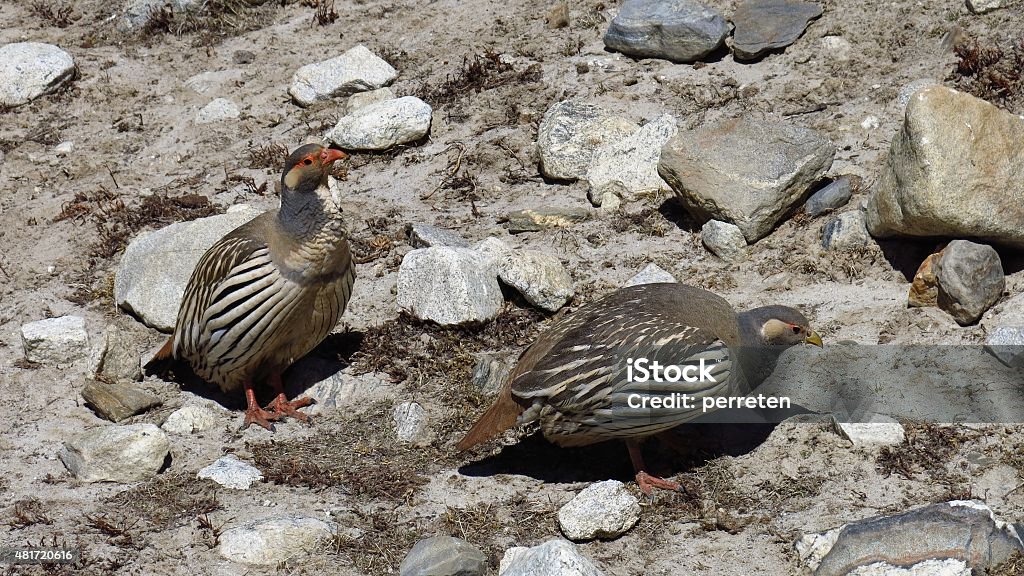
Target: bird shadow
point(679, 450)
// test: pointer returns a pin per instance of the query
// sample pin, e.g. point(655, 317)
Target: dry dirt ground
point(64, 222)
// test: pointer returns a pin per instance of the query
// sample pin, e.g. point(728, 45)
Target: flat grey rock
point(356, 70)
point(490, 372)
point(424, 236)
point(1007, 344)
point(116, 356)
point(448, 286)
point(745, 171)
point(383, 125)
point(764, 25)
point(60, 340)
point(831, 197)
point(116, 453)
point(570, 133)
point(29, 70)
point(845, 231)
point(230, 472)
point(553, 558)
point(364, 99)
point(540, 278)
point(545, 218)
point(443, 556)
point(116, 401)
point(274, 540)
point(152, 275)
point(676, 30)
point(651, 274)
point(602, 510)
point(945, 177)
point(983, 6)
point(724, 240)
point(970, 280)
point(879, 431)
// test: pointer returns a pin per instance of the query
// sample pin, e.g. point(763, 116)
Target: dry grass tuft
point(169, 500)
point(927, 449)
point(991, 72)
point(268, 156)
point(55, 14)
point(478, 73)
point(28, 512)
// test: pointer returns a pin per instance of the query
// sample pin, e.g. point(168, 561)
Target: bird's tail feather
point(159, 359)
point(498, 418)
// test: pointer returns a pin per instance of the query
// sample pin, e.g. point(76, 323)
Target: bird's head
point(307, 167)
point(779, 326)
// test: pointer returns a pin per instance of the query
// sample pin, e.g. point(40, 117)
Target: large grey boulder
point(30, 69)
point(553, 558)
point(151, 278)
point(970, 280)
point(764, 25)
point(449, 285)
point(677, 30)
point(745, 171)
point(356, 70)
point(116, 453)
point(956, 168)
point(443, 556)
point(274, 540)
point(570, 133)
point(383, 125)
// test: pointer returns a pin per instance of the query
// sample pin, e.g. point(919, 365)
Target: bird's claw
point(282, 407)
point(647, 483)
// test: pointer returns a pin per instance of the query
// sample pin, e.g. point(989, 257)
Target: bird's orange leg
point(645, 481)
point(281, 407)
point(254, 414)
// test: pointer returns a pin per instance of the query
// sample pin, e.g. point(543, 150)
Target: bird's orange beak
point(330, 155)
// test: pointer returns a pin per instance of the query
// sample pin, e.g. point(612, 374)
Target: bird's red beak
point(330, 155)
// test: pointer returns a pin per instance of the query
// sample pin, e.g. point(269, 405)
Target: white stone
point(116, 453)
point(217, 110)
point(846, 231)
point(364, 99)
point(870, 122)
point(410, 421)
point(553, 558)
point(190, 419)
point(274, 540)
point(724, 240)
point(601, 510)
point(230, 472)
point(880, 430)
point(983, 6)
point(836, 47)
point(383, 125)
point(424, 236)
point(30, 69)
point(151, 278)
point(58, 340)
point(448, 286)
point(630, 165)
point(491, 249)
point(65, 148)
point(540, 278)
point(357, 70)
point(651, 274)
point(570, 133)
point(1007, 344)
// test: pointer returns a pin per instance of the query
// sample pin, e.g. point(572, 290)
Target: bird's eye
point(307, 161)
point(796, 329)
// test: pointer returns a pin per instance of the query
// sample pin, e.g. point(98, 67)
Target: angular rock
point(955, 169)
point(383, 125)
point(190, 419)
point(983, 6)
point(552, 558)
point(29, 70)
point(630, 165)
point(570, 132)
point(115, 356)
point(490, 372)
point(448, 286)
point(151, 278)
point(970, 278)
point(272, 541)
point(116, 453)
point(410, 421)
point(115, 401)
point(544, 218)
point(831, 197)
point(443, 556)
point(878, 431)
point(138, 12)
point(1007, 344)
point(230, 472)
point(364, 99)
point(924, 289)
point(745, 171)
point(845, 231)
point(424, 236)
point(491, 249)
point(651, 274)
point(957, 530)
point(724, 240)
point(356, 70)
point(601, 510)
point(764, 25)
point(540, 278)
point(676, 30)
point(60, 340)
point(217, 110)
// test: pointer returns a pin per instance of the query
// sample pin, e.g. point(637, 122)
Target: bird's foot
point(282, 407)
point(257, 415)
point(646, 482)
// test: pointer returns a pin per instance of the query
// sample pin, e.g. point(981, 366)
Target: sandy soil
point(130, 116)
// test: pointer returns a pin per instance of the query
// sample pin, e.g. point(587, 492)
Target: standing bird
point(269, 291)
point(579, 379)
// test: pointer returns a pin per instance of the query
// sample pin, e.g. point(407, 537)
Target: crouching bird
point(269, 291)
point(582, 379)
